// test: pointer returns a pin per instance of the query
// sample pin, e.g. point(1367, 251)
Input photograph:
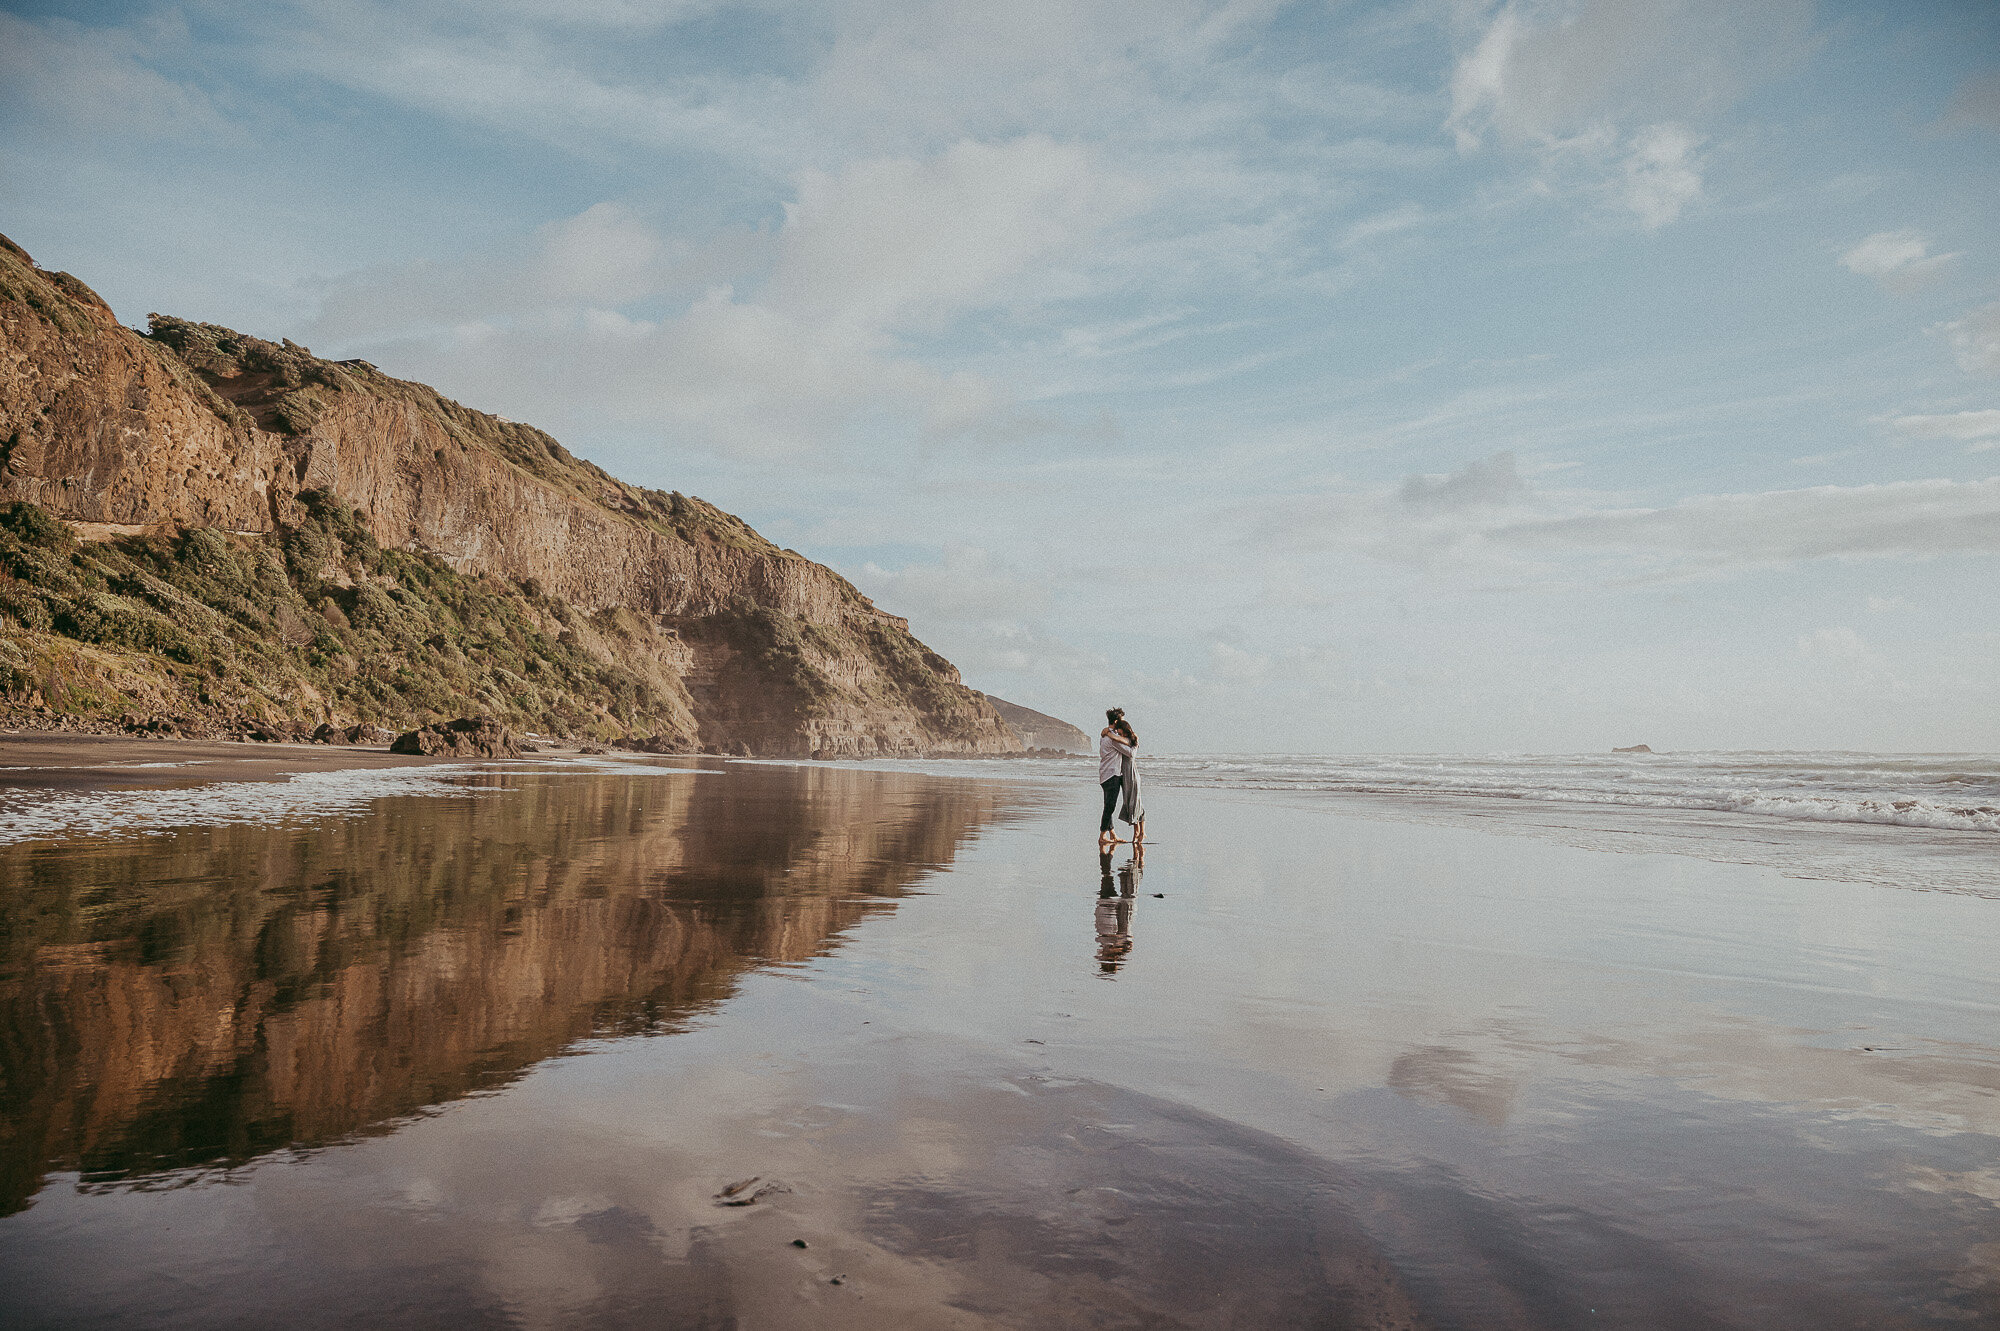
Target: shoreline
point(38, 764)
point(79, 761)
point(64, 787)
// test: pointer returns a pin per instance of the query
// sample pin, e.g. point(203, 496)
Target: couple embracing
point(1118, 774)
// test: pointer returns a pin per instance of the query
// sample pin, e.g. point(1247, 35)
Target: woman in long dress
point(1118, 777)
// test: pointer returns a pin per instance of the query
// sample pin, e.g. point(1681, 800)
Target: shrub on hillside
point(114, 621)
point(372, 610)
point(308, 550)
point(206, 553)
point(35, 526)
point(17, 672)
point(39, 568)
point(21, 603)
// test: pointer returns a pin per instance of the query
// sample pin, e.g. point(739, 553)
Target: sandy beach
point(44, 761)
point(491, 1052)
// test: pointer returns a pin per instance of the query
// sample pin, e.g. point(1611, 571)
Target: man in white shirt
point(1112, 751)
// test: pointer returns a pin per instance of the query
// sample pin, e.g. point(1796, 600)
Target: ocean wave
point(1892, 812)
point(1885, 811)
point(1955, 792)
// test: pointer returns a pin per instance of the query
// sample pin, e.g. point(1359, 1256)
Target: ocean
point(1924, 821)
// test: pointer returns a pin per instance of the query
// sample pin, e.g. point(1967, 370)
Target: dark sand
point(33, 761)
point(487, 1057)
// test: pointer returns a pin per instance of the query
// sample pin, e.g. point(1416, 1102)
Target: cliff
point(270, 539)
point(1039, 730)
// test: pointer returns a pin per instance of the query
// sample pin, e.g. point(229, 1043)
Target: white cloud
point(1600, 91)
point(758, 365)
point(1483, 516)
point(889, 241)
point(515, 70)
point(68, 80)
point(1426, 520)
point(906, 76)
point(1028, 664)
point(1480, 83)
point(1140, 333)
point(1662, 174)
point(1488, 482)
point(1979, 430)
point(821, 82)
point(600, 255)
point(626, 14)
point(1541, 72)
point(1886, 605)
point(604, 257)
point(1902, 518)
point(1975, 340)
point(1235, 665)
point(968, 585)
point(1900, 260)
point(729, 375)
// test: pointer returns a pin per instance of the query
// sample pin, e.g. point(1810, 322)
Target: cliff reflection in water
point(206, 996)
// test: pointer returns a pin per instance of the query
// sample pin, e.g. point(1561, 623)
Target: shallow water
point(1926, 821)
point(487, 1057)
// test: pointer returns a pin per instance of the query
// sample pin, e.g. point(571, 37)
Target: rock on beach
point(467, 737)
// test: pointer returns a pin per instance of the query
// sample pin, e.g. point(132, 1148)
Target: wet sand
point(43, 761)
point(488, 1057)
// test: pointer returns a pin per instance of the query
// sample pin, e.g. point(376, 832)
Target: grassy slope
point(228, 634)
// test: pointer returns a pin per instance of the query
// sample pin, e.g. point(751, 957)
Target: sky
point(1303, 377)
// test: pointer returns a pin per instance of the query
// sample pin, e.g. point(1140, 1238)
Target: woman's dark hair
point(1116, 716)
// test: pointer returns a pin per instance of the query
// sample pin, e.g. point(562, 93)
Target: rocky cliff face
point(729, 641)
point(1039, 730)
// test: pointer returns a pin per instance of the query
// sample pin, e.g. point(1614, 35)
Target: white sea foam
point(1951, 792)
point(1909, 820)
point(30, 815)
point(43, 815)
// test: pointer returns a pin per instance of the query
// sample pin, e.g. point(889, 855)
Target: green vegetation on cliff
point(284, 388)
point(218, 633)
point(230, 493)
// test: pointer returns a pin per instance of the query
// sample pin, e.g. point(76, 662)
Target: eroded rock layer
point(734, 643)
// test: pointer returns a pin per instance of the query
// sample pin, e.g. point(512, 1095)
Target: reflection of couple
point(1114, 907)
point(1118, 775)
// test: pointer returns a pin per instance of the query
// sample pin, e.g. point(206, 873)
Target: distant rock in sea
point(1636, 748)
